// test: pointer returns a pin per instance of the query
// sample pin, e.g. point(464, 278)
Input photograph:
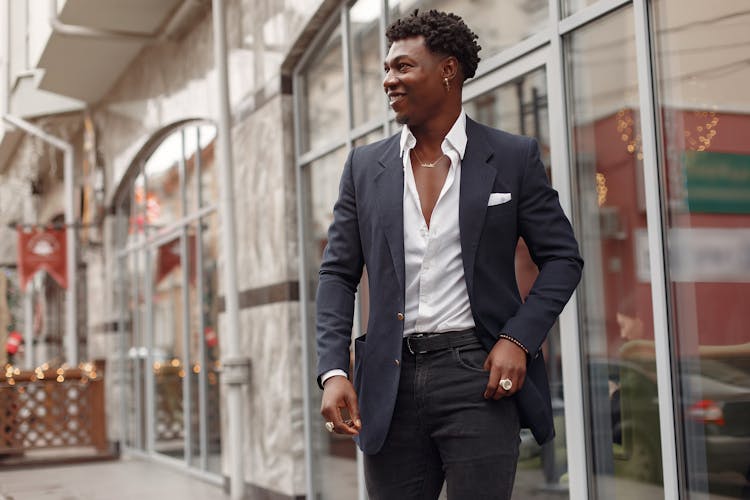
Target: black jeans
point(443, 429)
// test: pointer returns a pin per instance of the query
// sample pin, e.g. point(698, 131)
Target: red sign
point(13, 343)
point(42, 249)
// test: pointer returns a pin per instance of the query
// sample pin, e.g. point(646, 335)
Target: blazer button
point(397, 362)
point(400, 316)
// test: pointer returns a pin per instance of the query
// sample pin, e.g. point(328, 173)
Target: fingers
point(495, 391)
point(338, 393)
point(504, 362)
point(353, 407)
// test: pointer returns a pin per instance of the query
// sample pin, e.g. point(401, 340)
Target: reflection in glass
point(322, 88)
point(161, 197)
point(368, 98)
point(498, 24)
point(179, 177)
point(335, 467)
point(370, 138)
point(520, 107)
point(204, 346)
point(573, 6)
point(701, 53)
point(168, 347)
point(615, 295)
point(170, 300)
point(136, 352)
point(201, 188)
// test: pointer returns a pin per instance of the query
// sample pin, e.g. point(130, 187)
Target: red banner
point(42, 249)
point(169, 257)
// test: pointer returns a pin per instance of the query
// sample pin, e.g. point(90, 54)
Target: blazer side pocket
point(359, 355)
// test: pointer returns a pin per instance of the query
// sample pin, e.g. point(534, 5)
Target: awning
point(85, 67)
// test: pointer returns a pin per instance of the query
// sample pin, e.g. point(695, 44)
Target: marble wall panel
point(265, 198)
point(274, 432)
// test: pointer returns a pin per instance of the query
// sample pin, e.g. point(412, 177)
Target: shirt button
point(400, 316)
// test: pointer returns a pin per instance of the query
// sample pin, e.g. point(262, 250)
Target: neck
point(432, 132)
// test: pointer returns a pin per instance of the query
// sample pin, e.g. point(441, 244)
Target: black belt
point(421, 343)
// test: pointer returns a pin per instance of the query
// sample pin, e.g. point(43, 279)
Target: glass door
point(515, 99)
point(169, 348)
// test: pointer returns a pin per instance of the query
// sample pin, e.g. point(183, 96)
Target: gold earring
point(447, 84)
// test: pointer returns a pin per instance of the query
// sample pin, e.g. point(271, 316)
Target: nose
point(389, 81)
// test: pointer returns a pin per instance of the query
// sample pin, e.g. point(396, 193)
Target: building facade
point(640, 111)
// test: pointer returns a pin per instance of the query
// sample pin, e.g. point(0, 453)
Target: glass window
point(162, 201)
point(179, 177)
point(169, 349)
point(323, 113)
point(368, 97)
point(335, 466)
point(204, 349)
point(170, 300)
point(201, 187)
point(573, 6)
point(520, 107)
point(499, 25)
point(616, 326)
point(701, 54)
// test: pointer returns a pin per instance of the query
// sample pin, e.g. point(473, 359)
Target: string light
point(601, 189)
point(705, 133)
point(625, 127)
point(83, 373)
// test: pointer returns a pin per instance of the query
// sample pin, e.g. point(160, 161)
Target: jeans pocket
point(471, 358)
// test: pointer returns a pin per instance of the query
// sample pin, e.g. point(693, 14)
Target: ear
point(449, 68)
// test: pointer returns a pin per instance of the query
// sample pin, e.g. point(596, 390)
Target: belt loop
point(408, 343)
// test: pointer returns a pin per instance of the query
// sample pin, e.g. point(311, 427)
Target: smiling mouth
point(395, 98)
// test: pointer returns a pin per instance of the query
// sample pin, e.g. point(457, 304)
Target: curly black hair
point(444, 33)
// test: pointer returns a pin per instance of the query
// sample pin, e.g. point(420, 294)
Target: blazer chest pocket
point(501, 209)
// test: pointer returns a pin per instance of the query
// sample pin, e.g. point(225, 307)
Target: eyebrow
point(395, 60)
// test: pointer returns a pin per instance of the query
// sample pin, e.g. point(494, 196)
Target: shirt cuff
point(332, 373)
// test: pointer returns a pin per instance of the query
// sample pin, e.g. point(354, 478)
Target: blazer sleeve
point(340, 273)
point(553, 248)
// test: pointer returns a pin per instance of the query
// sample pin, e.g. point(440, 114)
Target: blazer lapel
point(477, 179)
point(389, 183)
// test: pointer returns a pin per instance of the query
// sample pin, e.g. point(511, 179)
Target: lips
point(395, 98)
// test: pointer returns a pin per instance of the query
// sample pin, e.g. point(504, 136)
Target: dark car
point(715, 400)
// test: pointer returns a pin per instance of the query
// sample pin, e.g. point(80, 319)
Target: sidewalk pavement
point(128, 478)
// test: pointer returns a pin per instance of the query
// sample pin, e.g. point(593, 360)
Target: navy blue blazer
point(368, 229)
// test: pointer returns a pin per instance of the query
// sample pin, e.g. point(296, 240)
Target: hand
point(505, 360)
point(339, 393)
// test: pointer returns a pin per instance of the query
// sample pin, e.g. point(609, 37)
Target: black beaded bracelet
point(508, 337)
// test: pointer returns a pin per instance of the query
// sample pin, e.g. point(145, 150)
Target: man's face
point(413, 81)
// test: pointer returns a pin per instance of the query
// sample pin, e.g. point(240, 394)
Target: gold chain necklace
point(425, 164)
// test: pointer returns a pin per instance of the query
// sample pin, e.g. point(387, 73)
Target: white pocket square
point(498, 198)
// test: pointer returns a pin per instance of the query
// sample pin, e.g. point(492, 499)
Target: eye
point(403, 66)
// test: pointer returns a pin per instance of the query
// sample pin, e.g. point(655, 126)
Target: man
point(450, 367)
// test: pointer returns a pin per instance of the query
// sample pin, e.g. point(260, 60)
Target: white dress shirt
point(437, 300)
point(435, 290)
